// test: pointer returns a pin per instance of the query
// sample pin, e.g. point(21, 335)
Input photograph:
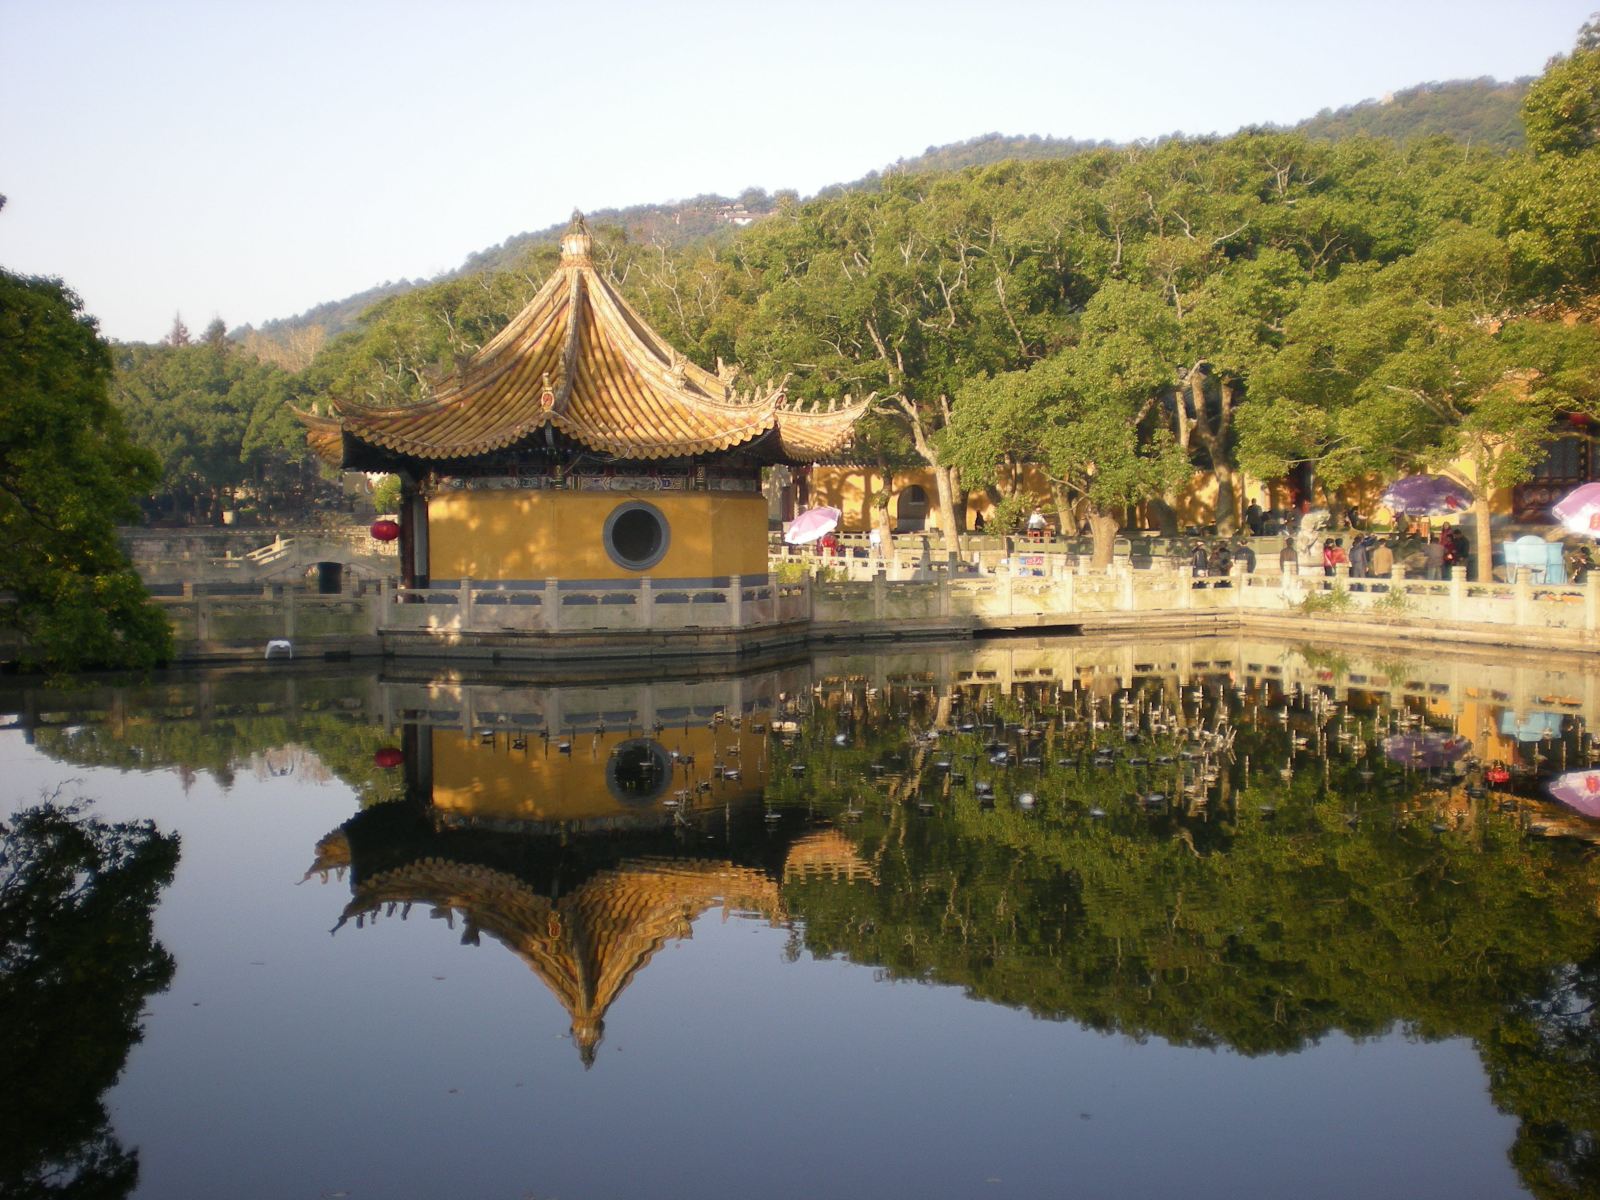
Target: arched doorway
point(911, 509)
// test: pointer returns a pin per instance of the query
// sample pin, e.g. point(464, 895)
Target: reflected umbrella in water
point(1579, 790)
point(1425, 749)
point(811, 525)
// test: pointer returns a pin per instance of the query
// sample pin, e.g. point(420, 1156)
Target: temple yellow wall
point(486, 780)
point(536, 535)
point(848, 490)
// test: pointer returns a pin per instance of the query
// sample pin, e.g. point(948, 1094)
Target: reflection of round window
point(638, 771)
point(636, 535)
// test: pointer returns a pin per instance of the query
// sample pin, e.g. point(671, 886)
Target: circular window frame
point(657, 754)
point(608, 540)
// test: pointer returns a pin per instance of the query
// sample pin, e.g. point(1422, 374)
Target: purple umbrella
point(1425, 749)
point(1578, 790)
point(1426, 495)
point(811, 524)
point(1579, 510)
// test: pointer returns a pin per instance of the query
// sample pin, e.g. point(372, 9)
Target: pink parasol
point(811, 524)
point(1579, 510)
point(1578, 790)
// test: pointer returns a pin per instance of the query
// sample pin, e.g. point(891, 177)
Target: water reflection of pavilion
point(582, 829)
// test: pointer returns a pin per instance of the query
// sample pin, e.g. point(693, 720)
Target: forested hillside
point(1478, 112)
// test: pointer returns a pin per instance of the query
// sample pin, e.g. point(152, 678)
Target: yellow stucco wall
point(849, 490)
point(1195, 504)
point(493, 780)
point(534, 535)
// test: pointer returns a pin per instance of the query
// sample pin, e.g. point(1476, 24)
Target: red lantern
point(1497, 774)
point(388, 758)
point(385, 530)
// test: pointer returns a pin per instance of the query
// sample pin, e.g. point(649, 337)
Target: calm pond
point(1032, 919)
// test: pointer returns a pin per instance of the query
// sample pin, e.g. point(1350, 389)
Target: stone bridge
point(250, 559)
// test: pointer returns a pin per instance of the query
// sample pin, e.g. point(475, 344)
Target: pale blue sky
point(251, 160)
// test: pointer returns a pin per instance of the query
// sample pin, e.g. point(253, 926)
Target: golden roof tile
point(580, 360)
point(588, 945)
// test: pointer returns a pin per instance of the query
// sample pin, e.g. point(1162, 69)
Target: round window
point(636, 535)
point(638, 771)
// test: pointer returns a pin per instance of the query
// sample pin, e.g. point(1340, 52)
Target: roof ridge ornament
point(576, 244)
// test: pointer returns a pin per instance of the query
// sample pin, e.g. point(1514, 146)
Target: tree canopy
point(68, 473)
point(1365, 304)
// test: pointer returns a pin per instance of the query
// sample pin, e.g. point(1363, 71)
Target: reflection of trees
point(78, 958)
point(1544, 1065)
point(1296, 906)
point(223, 737)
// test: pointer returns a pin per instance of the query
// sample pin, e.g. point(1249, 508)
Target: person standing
point(1359, 551)
point(1287, 557)
point(1253, 518)
point(1463, 548)
point(1221, 559)
point(1447, 541)
point(1242, 553)
point(1578, 563)
point(1433, 558)
point(1200, 561)
point(1382, 559)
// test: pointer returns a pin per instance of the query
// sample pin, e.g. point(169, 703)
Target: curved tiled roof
point(581, 361)
point(587, 945)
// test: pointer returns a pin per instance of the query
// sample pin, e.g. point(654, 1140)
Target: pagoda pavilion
point(578, 448)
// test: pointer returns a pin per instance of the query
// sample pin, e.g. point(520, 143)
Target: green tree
point(1551, 196)
point(1412, 366)
point(1088, 416)
point(911, 290)
point(219, 420)
point(68, 473)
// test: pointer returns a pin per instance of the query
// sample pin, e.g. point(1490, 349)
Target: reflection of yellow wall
point(484, 780)
point(535, 535)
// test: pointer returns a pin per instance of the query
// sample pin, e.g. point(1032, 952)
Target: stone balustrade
point(474, 606)
point(931, 602)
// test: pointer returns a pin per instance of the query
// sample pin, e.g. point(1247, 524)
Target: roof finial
point(576, 242)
